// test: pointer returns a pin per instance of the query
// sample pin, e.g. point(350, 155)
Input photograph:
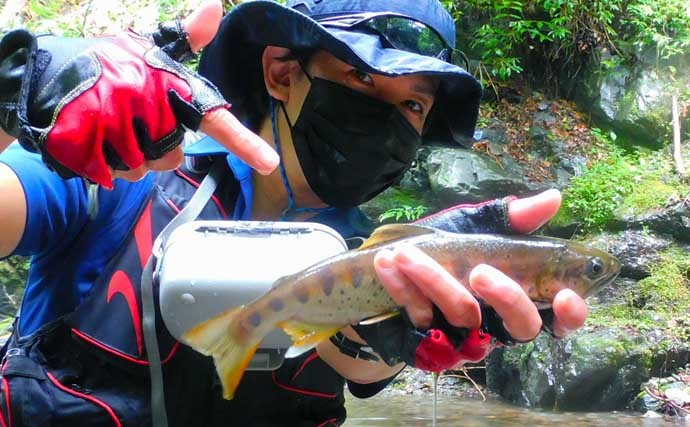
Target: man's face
point(412, 94)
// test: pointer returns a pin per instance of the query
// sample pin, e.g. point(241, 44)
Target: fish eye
point(595, 267)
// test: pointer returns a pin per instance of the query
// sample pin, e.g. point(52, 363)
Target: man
point(345, 91)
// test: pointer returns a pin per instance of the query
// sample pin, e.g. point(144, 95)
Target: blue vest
point(110, 317)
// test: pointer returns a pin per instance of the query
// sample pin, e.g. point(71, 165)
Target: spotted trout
point(315, 303)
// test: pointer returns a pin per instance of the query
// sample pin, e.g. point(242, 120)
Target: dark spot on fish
point(255, 319)
point(357, 278)
point(302, 295)
point(327, 282)
point(342, 292)
point(276, 304)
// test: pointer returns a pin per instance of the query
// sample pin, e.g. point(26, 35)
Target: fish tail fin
point(219, 337)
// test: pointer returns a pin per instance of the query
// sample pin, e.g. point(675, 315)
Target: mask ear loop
point(290, 211)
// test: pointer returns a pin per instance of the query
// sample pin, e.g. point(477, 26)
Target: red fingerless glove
point(436, 349)
point(437, 353)
point(90, 104)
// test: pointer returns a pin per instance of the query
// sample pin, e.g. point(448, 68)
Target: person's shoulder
point(15, 154)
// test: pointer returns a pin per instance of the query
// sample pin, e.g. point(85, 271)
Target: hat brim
point(233, 62)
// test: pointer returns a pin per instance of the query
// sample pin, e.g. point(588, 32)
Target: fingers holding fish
point(520, 316)
point(570, 311)
point(402, 291)
point(438, 286)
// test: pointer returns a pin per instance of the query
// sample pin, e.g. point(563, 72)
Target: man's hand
point(442, 324)
point(116, 106)
point(416, 282)
point(201, 27)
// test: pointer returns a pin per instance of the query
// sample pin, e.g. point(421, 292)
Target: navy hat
point(387, 37)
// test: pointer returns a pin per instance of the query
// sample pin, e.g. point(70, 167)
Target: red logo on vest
point(120, 283)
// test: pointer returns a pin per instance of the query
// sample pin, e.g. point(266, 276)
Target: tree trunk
point(677, 155)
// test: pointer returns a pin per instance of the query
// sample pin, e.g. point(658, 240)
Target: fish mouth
point(542, 305)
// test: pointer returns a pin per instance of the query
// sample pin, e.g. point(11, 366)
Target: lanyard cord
point(290, 211)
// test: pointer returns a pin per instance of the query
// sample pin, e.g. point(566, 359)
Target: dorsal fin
point(392, 232)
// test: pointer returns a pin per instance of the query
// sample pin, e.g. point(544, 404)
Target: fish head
point(583, 269)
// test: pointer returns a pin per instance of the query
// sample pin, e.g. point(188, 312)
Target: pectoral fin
point(379, 318)
point(305, 336)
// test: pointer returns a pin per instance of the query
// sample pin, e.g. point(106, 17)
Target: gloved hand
point(437, 344)
point(88, 105)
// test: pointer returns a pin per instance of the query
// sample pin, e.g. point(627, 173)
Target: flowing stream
point(417, 411)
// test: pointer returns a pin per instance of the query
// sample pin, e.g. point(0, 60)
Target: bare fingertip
point(384, 260)
point(482, 274)
point(571, 311)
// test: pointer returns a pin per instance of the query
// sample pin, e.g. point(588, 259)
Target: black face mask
point(351, 146)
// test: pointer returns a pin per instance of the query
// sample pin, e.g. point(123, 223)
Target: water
point(417, 411)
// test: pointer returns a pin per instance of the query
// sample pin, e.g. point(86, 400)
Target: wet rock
point(668, 396)
point(673, 219)
point(630, 99)
point(601, 366)
point(465, 176)
point(415, 382)
point(637, 250)
point(594, 370)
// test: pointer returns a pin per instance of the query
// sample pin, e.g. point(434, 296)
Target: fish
point(315, 303)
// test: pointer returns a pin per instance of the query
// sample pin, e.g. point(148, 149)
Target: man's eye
point(414, 106)
point(363, 77)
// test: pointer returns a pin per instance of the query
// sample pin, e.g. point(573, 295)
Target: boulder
point(596, 369)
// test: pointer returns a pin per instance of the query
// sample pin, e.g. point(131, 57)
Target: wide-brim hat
point(354, 31)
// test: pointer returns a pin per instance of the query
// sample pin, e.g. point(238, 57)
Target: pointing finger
point(222, 126)
point(202, 24)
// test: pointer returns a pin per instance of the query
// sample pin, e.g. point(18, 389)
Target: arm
point(12, 210)
point(5, 140)
point(357, 370)
point(82, 103)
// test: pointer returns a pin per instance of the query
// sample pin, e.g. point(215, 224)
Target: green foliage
point(594, 196)
point(558, 32)
point(657, 301)
point(656, 183)
point(668, 285)
point(169, 9)
point(406, 212)
point(619, 183)
point(664, 24)
point(50, 16)
point(13, 274)
point(555, 29)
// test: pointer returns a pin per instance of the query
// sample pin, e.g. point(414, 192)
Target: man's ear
point(277, 72)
